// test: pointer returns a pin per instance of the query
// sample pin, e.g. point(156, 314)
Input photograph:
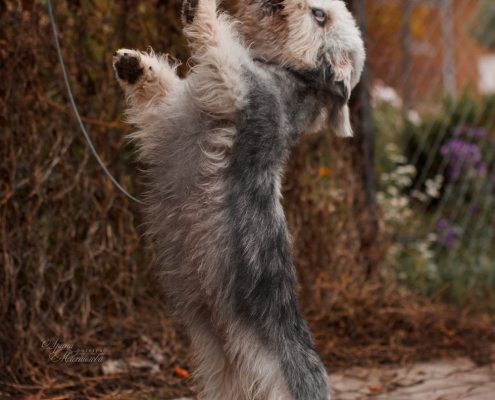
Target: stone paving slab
point(459, 379)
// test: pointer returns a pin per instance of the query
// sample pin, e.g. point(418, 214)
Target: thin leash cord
point(74, 107)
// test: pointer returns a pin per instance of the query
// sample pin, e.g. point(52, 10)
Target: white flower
point(404, 201)
point(439, 179)
point(432, 237)
point(422, 246)
point(406, 170)
point(413, 116)
point(428, 254)
point(387, 94)
point(391, 148)
point(399, 202)
point(405, 181)
point(432, 192)
point(384, 177)
point(337, 194)
point(392, 190)
point(394, 250)
point(399, 159)
point(418, 195)
point(430, 184)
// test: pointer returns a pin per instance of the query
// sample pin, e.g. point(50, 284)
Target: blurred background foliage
point(444, 177)
point(74, 265)
point(483, 28)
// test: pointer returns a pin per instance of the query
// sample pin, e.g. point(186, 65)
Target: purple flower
point(447, 234)
point(479, 133)
point(459, 149)
point(461, 154)
point(458, 130)
point(469, 131)
point(449, 238)
point(454, 173)
point(442, 224)
point(472, 210)
point(482, 168)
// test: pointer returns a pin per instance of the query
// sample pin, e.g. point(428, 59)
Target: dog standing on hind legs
point(215, 145)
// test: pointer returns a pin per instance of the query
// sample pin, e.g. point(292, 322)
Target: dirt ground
point(459, 379)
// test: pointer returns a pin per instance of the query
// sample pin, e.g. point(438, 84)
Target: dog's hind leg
point(217, 376)
point(145, 77)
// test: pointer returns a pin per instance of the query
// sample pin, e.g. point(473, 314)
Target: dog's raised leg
point(145, 77)
point(219, 58)
point(147, 80)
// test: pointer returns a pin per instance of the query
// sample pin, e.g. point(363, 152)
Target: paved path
point(459, 379)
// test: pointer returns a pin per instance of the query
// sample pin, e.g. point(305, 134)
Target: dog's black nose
point(115, 54)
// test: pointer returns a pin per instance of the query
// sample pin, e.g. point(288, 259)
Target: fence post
point(407, 9)
point(363, 159)
point(448, 34)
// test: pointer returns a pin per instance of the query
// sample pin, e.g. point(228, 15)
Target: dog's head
point(304, 35)
point(317, 39)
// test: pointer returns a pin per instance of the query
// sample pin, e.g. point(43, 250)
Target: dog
point(215, 145)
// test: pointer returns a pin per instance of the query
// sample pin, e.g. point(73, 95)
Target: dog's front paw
point(128, 66)
point(188, 11)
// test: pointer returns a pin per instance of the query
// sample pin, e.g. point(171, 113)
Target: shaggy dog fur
point(215, 145)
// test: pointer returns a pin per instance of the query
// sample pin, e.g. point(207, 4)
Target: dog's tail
point(269, 340)
point(303, 370)
point(276, 360)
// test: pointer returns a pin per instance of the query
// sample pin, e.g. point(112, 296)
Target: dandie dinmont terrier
point(215, 145)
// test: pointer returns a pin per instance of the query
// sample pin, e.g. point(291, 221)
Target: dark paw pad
point(188, 11)
point(128, 69)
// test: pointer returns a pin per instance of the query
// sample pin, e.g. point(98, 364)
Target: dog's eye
point(320, 16)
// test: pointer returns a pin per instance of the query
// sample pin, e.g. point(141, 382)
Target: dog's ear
point(340, 120)
point(339, 117)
